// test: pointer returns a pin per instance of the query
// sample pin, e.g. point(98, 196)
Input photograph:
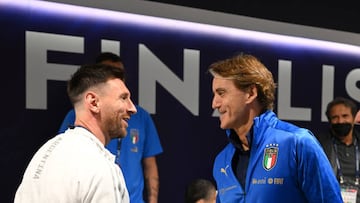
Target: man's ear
point(252, 93)
point(92, 101)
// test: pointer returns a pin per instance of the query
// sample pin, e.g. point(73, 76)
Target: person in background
point(341, 145)
point(266, 159)
point(136, 153)
point(357, 118)
point(200, 191)
point(75, 166)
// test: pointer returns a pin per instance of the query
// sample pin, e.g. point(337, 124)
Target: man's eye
point(124, 97)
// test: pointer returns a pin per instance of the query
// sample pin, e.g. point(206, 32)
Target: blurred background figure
point(357, 118)
point(341, 145)
point(200, 191)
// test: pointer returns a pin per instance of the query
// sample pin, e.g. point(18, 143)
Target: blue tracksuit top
point(141, 141)
point(286, 164)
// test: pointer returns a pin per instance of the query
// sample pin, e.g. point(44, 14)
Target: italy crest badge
point(270, 156)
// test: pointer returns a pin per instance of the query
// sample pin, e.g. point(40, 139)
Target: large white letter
point(38, 71)
point(152, 71)
point(110, 46)
point(350, 84)
point(285, 111)
point(327, 88)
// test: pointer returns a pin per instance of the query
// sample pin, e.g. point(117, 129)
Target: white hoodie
point(73, 167)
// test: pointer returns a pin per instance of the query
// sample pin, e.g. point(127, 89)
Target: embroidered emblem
point(134, 149)
point(134, 135)
point(270, 156)
point(223, 170)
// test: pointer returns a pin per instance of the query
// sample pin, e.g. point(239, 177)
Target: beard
point(115, 127)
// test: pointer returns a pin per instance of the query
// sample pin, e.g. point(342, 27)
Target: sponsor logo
point(223, 170)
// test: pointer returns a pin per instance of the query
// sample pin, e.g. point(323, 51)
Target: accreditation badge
point(349, 194)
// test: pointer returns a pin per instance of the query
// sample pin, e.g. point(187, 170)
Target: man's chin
point(223, 126)
point(123, 134)
point(120, 134)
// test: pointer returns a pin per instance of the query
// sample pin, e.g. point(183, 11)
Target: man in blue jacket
point(267, 160)
point(136, 153)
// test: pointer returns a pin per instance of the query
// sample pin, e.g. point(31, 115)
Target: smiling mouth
point(221, 112)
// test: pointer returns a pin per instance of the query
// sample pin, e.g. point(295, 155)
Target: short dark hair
point(107, 56)
point(198, 189)
point(341, 100)
point(88, 76)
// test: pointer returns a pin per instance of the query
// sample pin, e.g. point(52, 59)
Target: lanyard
point(357, 173)
point(118, 148)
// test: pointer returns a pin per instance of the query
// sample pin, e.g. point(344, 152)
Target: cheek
point(117, 105)
point(122, 107)
point(232, 104)
point(118, 111)
point(236, 102)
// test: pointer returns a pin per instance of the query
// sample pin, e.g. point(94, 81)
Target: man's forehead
point(223, 81)
point(221, 84)
point(340, 108)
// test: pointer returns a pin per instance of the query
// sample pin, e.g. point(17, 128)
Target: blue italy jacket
point(287, 164)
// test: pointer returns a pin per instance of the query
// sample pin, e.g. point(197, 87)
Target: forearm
point(152, 188)
point(151, 176)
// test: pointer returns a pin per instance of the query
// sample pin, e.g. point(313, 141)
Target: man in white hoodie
point(76, 167)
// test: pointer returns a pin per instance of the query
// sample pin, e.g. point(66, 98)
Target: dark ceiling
point(325, 15)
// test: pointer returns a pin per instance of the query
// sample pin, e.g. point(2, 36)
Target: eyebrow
point(220, 89)
point(125, 94)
